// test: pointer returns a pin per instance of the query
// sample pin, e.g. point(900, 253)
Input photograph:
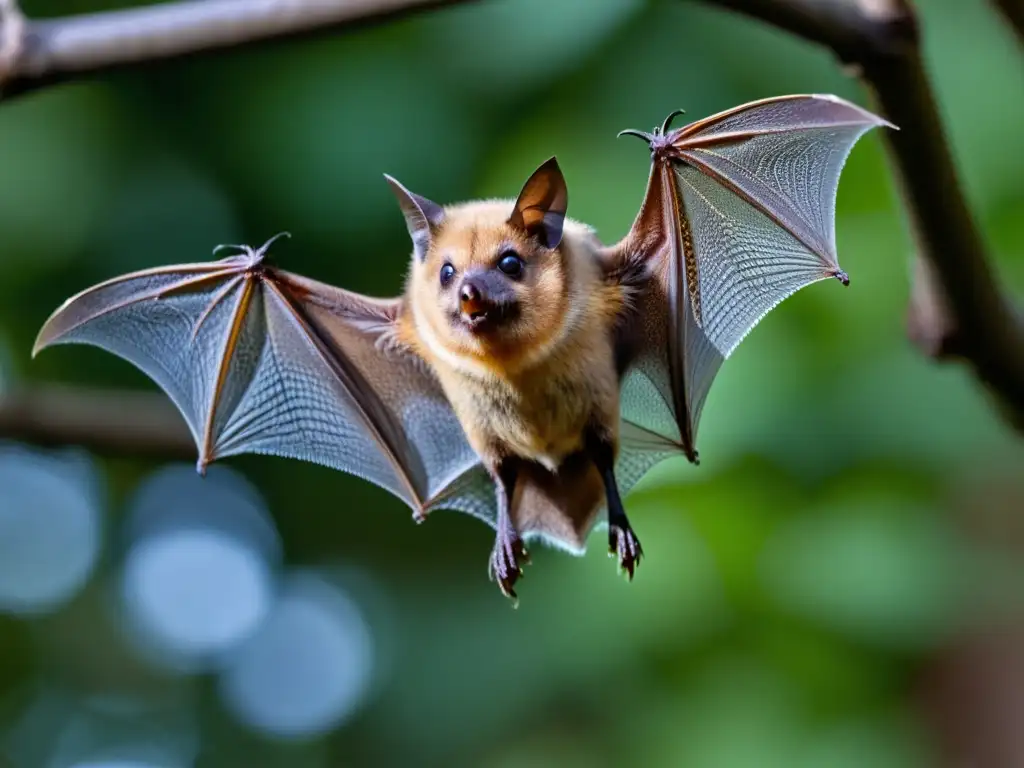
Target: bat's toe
point(624, 544)
point(507, 561)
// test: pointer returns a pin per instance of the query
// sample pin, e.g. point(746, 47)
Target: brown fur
point(531, 388)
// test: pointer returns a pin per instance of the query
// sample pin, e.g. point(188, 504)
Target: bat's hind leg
point(509, 553)
point(622, 541)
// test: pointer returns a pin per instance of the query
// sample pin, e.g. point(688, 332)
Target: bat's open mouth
point(487, 318)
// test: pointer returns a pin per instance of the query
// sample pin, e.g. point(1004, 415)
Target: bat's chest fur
point(541, 414)
point(538, 418)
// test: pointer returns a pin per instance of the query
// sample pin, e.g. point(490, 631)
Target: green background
point(836, 585)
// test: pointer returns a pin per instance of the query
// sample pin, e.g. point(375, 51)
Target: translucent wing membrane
point(739, 214)
point(746, 263)
point(259, 360)
point(759, 187)
point(262, 361)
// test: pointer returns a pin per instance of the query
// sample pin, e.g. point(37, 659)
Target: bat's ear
point(422, 216)
point(540, 209)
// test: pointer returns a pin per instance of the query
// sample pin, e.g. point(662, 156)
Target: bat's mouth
point(487, 318)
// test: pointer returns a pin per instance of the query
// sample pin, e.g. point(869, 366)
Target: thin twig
point(59, 49)
point(1013, 12)
point(119, 423)
point(879, 39)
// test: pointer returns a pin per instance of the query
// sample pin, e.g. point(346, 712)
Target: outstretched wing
point(739, 214)
point(259, 360)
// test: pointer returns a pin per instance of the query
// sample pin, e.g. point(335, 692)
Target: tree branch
point(1013, 12)
point(46, 51)
point(118, 423)
point(957, 310)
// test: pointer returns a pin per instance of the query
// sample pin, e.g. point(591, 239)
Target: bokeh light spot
point(198, 573)
point(49, 529)
point(197, 590)
point(309, 666)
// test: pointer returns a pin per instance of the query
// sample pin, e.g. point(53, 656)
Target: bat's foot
point(507, 561)
point(623, 543)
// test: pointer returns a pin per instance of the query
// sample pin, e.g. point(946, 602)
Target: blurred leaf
point(891, 742)
point(880, 568)
point(313, 147)
point(512, 45)
point(59, 157)
point(736, 713)
point(165, 212)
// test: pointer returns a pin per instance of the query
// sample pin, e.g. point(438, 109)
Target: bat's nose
point(485, 302)
point(473, 300)
point(470, 293)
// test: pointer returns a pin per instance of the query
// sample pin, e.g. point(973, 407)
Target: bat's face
point(488, 278)
point(485, 286)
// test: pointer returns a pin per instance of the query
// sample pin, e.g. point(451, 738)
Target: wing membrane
point(746, 263)
point(739, 214)
point(262, 361)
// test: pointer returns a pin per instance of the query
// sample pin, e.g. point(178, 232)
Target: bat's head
point(489, 278)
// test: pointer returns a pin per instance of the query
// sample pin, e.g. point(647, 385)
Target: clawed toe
point(623, 543)
point(507, 562)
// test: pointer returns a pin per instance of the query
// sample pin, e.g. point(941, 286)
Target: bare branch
point(1013, 12)
point(929, 321)
point(124, 423)
point(969, 318)
point(46, 51)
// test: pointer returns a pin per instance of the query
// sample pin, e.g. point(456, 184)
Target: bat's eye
point(511, 264)
point(447, 273)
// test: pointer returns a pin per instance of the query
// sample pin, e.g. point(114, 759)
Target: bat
point(529, 375)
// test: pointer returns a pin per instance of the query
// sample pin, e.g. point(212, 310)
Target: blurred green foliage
point(798, 585)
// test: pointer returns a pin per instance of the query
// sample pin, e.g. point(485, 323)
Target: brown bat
point(528, 375)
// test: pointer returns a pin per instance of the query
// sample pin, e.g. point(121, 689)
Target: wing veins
point(217, 299)
point(337, 367)
point(154, 294)
point(230, 343)
point(702, 142)
point(737, 290)
point(713, 120)
point(807, 239)
point(654, 436)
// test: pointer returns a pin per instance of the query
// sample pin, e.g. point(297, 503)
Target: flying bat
point(529, 375)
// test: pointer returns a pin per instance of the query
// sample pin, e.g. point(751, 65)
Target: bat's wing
point(259, 360)
point(739, 214)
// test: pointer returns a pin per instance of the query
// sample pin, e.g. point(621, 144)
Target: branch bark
point(116, 423)
point(1013, 12)
point(957, 309)
point(47, 51)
